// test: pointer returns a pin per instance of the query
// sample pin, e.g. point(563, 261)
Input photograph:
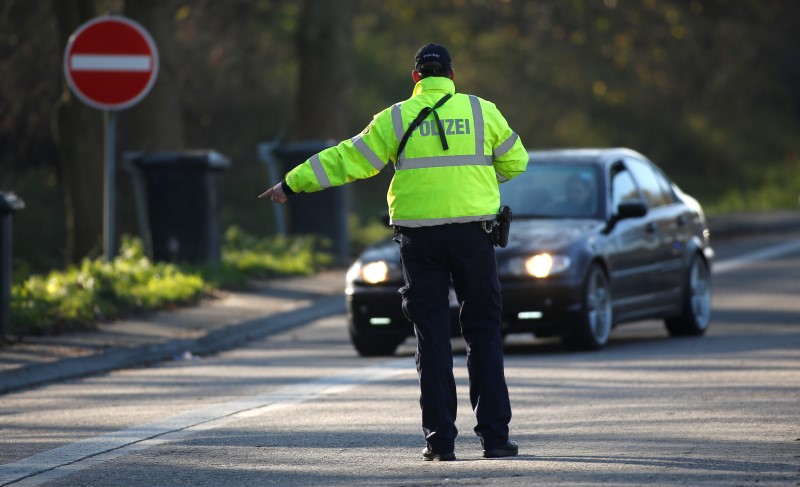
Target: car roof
point(582, 155)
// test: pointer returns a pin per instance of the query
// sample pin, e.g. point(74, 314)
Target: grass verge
point(97, 290)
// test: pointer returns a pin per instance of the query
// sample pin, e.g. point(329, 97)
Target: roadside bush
point(99, 290)
point(262, 257)
point(779, 189)
point(363, 234)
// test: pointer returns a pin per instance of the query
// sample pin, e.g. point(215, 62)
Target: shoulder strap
point(420, 117)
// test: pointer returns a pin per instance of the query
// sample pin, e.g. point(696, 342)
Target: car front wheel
point(696, 314)
point(596, 319)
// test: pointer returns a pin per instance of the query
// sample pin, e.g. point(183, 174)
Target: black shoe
point(510, 449)
point(431, 456)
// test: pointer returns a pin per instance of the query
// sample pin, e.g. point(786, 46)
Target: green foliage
point(779, 189)
point(245, 256)
point(364, 234)
point(97, 290)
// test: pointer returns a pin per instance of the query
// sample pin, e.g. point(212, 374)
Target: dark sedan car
point(599, 237)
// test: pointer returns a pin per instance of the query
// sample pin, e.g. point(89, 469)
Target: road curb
point(214, 341)
point(750, 223)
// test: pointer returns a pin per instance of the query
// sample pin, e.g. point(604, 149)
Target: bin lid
point(200, 158)
point(10, 202)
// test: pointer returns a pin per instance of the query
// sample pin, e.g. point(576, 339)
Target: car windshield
point(553, 191)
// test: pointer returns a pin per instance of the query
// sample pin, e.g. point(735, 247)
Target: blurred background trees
point(710, 90)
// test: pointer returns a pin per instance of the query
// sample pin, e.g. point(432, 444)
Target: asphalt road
point(300, 408)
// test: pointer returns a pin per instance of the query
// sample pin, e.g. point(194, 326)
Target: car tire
point(696, 314)
point(593, 328)
point(374, 344)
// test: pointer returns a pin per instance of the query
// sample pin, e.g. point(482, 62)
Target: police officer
point(450, 151)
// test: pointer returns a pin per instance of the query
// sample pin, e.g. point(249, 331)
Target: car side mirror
point(628, 209)
point(631, 209)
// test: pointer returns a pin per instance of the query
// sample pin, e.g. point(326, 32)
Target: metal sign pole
point(109, 196)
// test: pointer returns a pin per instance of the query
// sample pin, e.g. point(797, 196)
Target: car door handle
point(650, 227)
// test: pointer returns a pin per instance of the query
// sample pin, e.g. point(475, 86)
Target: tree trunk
point(78, 132)
point(156, 123)
point(325, 51)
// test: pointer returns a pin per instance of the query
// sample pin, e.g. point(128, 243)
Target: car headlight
point(372, 272)
point(539, 265)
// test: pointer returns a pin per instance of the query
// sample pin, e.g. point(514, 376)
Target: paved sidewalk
point(217, 324)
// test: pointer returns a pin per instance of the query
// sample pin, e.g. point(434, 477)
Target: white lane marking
point(83, 454)
point(117, 62)
point(763, 254)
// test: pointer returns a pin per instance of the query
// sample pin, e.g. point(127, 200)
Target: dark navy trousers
point(431, 257)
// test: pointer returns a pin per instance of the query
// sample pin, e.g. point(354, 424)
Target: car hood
point(543, 234)
point(386, 250)
point(525, 234)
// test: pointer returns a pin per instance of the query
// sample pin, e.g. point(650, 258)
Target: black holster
point(502, 225)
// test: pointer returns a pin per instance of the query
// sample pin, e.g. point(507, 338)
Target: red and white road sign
point(111, 63)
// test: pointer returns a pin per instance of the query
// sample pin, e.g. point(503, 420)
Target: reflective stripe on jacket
point(430, 186)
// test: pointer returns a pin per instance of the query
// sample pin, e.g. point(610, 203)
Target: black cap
point(432, 59)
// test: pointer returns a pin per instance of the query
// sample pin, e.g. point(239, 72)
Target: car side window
point(666, 186)
point(623, 188)
point(646, 177)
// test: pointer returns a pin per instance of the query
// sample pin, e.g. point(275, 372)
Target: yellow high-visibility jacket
point(431, 186)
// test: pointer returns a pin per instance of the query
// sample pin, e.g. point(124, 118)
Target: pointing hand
point(275, 193)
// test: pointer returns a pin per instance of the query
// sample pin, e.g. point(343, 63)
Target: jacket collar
point(434, 84)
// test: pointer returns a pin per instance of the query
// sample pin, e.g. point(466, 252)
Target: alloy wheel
point(700, 293)
point(598, 305)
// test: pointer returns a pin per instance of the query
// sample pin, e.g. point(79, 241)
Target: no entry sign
point(111, 63)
